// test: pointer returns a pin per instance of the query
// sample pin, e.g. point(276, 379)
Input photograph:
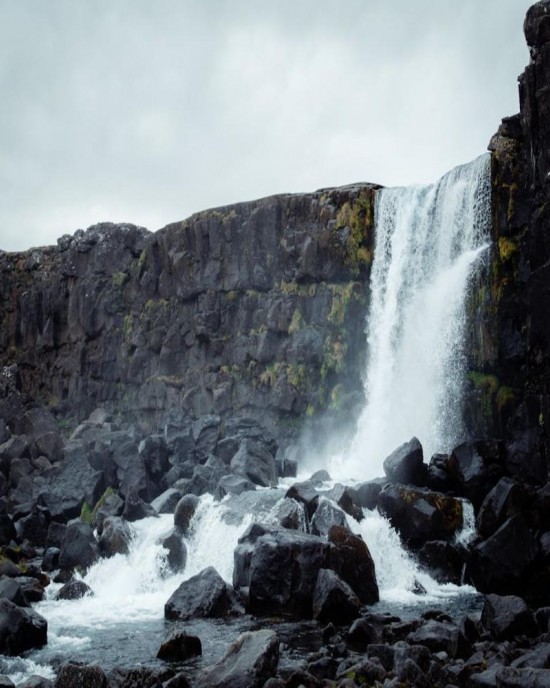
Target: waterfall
point(428, 242)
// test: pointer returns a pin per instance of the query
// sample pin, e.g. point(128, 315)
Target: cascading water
point(428, 241)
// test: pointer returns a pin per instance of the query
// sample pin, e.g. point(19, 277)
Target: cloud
point(128, 110)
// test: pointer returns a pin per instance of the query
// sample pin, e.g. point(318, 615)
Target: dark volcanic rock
point(502, 502)
point(185, 510)
point(80, 676)
point(180, 646)
point(74, 590)
point(250, 661)
point(326, 515)
point(79, 548)
point(116, 536)
point(20, 629)
point(203, 595)
point(333, 599)
point(406, 464)
point(507, 616)
point(305, 493)
point(11, 590)
point(351, 559)
point(255, 462)
point(176, 556)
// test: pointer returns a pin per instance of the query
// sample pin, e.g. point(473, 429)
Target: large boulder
point(406, 464)
point(507, 616)
point(474, 468)
point(42, 432)
point(441, 636)
point(250, 662)
point(185, 510)
point(203, 595)
point(176, 551)
point(79, 548)
point(444, 560)
point(20, 629)
point(72, 675)
point(283, 571)
point(11, 590)
point(502, 502)
point(333, 599)
point(305, 493)
point(501, 563)
point(256, 463)
point(420, 515)
point(74, 590)
point(179, 646)
point(326, 515)
point(351, 559)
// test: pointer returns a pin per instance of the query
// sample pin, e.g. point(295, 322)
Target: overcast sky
point(146, 111)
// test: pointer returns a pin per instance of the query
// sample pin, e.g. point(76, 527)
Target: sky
point(147, 111)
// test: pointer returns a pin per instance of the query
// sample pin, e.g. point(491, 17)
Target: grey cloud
point(148, 111)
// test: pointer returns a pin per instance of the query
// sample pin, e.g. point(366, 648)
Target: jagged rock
point(155, 454)
point(79, 548)
point(334, 600)
point(444, 560)
point(50, 560)
point(319, 477)
point(135, 508)
point(500, 563)
point(537, 658)
point(255, 462)
point(304, 492)
point(233, 485)
point(180, 646)
point(326, 515)
point(502, 502)
point(203, 595)
point(185, 510)
point(74, 590)
point(242, 555)
point(20, 629)
point(351, 559)
point(36, 681)
point(250, 661)
point(420, 515)
point(206, 477)
point(291, 514)
point(474, 471)
point(507, 616)
point(112, 506)
point(56, 533)
point(34, 527)
point(11, 590)
point(73, 675)
point(7, 529)
point(167, 502)
point(116, 536)
point(365, 494)
point(406, 464)
point(441, 636)
point(42, 432)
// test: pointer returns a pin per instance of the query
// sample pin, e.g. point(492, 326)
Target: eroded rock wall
point(253, 309)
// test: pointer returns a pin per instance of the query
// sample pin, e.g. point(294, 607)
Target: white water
point(429, 240)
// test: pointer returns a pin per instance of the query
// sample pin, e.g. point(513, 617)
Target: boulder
point(250, 662)
point(179, 646)
point(166, 502)
point(203, 595)
point(7, 529)
point(36, 681)
point(255, 462)
point(406, 464)
point(42, 432)
point(34, 526)
point(305, 493)
point(501, 563)
point(206, 477)
point(333, 599)
point(365, 495)
point(116, 537)
point(502, 502)
point(420, 515)
point(50, 560)
point(81, 676)
point(11, 590)
point(111, 505)
point(351, 559)
point(176, 551)
point(507, 616)
point(79, 548)
point(232, 484)
point(20, 629)
point(441, 636)
point(283, 570)
point(444, 560)
point(155, 454)
point(185, 510)
point(473, 471)
point(74, 590)
point(290, 514)
point(510, 677)
point(326, 515)
point(242, 555)
point(537, 658)
point(135, 508)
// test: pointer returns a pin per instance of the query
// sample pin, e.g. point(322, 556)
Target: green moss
point(505, 396)
point(298, 289)
point(487, 383)
point(100, 502)
point(357, 218)
point(296, 375)
point(297, 322)
point(506, 248)
point(86, 514)
point(120, 279)
point(341, 296)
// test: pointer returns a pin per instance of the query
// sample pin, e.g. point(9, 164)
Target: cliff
point(251, 309)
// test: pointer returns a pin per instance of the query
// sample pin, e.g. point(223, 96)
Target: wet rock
point(166, 502)
point(256, 463)
point(176, 550)
point(116, 537)
point(50, 561)
point(351, 559)
point(112, 505)
point(56, 533)
point(20, 629)
point(346, 503)
point(242, 555)
point(185, 510)
point(365, 494)
point(471, 472)
point(155, 454)
point(441, 636)
point(326, 515)
point(233, 485)
point(508, 677)
point(305, 493)
point(79, 548)
point(32, 588)
point(74, 590)
point(36, 681)
point(507, 616)
point(444, 560)
point(6, 682)
point(73, 675)
point(334, 600)
point(420, 515)
point(206, 477)
point(406, 464)
point(135, 508)
point(34, 527)
point(500, 563)
point(11, 590)
point(180, 646)
point(536, 658)
point(203, 595)
point(250, 661)
point(7, 529)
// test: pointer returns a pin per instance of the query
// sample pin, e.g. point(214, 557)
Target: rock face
point(249, 309)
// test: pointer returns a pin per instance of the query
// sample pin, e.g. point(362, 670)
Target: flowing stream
point(428, 242)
